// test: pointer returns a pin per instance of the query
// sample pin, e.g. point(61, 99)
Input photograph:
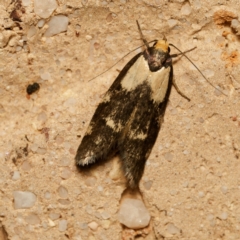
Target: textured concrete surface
point(191, 182)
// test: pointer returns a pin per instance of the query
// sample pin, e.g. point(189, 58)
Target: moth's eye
point(154, 43)
point(169, 49)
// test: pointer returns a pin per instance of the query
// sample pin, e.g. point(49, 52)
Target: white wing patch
point(115, 126)
point(89, 130)
point(136, 75)
point(159, 83)
point(107, 97)
point(140, 73)
point(140, 136)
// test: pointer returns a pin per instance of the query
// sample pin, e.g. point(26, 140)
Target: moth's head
point(162, 45)
point(158, 55)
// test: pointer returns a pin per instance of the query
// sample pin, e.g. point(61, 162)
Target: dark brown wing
point(138, 138)
point(107, 122)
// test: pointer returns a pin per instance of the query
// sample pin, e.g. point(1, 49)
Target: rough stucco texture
point(191, 183)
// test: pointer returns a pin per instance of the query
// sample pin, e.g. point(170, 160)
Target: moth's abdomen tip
point(84, 161)
point(132, 181)
point(133, 185)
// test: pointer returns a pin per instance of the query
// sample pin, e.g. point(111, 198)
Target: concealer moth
point(129, 118)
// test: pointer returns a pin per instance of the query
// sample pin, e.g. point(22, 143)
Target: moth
point(130, 116)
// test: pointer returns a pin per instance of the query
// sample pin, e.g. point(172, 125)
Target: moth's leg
point(181, 53)
point(178, 90)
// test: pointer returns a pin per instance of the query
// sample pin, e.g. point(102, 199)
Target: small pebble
point(89, 209)
point(83, 226)
point(172, 23)
point(34, 148)
point(170, 213)
point(93, 226)
point(64, 161)
point(208, 73)
point(90, 181)
point(42, 117)
point(133, 214)
point(223, 215)
point(44, 8)
point(47, 195)
point(67, 145)
point(105, 215)
point(54, 216)
point(45, 225)
point(41, 151)
point(168, 156)
point(173, 192)
point(45, 76)
point(105, 224)
point(98, 215)
point(224, 189)
point(201, 120)
point(26, 3)
point(57, 24)
point(201, 194)
point(88, 37)
point(41, 23)
point(16, 175)
point(84, 2)
point(172, 229)
point(24, 200)
point(148, 185)
point(62, 225)
point(15, 237)
point(196, 27)
point(26, 166)
point(62, 192)
point(66, 173)
point(197, 4)
point(64, 201)
point(210, 217)
point(51, 223)
point(31, 31)
point(32, 219)
point(185, 152)
point(235, 24)
point(186, 9)
point(109, 17)
point(18, 48)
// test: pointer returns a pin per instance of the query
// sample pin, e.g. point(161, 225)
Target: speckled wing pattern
point(129, 118)
point(140, 135)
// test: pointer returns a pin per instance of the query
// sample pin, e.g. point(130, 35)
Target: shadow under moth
point(129, 118)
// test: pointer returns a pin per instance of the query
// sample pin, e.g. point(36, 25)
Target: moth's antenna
point(142, 37)
point(164, 37)
point(119, 60)
point(146, 43)
point(115, 63)
point(183, 53)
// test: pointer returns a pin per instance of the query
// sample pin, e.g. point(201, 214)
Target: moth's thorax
point(140, 74)
point(158, 55)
